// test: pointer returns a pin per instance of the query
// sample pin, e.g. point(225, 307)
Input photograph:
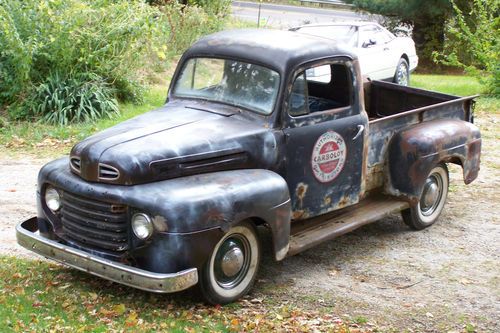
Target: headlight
point(142, 226)
point(52, 199)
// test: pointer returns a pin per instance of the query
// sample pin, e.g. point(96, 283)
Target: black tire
point(431, 202)
point(402, 74)
point(222, 284)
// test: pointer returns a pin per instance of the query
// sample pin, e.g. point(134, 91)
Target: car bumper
point(104, 268)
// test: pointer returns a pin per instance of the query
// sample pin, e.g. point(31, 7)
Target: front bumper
point(104, 268)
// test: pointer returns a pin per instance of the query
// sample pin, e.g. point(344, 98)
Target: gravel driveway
point(443, 279)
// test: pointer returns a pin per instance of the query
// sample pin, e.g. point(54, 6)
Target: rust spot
point(344, 201)
point(298, 214)
point(160, 223)
point(327, 201)
point(301, 191)
point(214, 215)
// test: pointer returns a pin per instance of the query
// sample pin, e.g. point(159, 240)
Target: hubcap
point(431, 195)
point(232, 261)
point(402, 75)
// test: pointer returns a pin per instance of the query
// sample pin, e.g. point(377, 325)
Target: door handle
point(361, 128)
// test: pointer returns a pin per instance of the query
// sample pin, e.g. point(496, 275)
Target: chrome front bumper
point(104, 268)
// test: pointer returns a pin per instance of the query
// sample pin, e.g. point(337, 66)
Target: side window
point(381, 36)
point(329, 88)
point(367, 36)
point(322, 74)
point(298, 98)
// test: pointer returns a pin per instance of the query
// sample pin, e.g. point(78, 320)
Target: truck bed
point(392, 107)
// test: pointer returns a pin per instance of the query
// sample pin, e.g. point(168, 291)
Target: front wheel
point(431, 202)
point(402, 75)
point(231, 270)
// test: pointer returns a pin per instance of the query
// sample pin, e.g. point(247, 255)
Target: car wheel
point(432, 200)
point(231, 270)
point(402, 76)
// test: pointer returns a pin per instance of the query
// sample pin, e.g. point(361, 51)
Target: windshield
point(229, 81)
point(345, 34)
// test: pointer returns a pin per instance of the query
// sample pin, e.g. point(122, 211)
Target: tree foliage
point(473, 42)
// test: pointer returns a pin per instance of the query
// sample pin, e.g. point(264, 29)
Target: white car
point(382, 56)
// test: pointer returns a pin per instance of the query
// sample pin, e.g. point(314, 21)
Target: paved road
point(284, 16)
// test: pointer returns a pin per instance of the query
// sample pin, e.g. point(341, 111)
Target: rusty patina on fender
point(184, 207)
point(416, 150)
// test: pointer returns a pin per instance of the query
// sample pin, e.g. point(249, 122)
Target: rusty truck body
point(248, 137)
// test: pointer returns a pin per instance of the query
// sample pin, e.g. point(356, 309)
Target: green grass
point(37, 296)
point(459, 85)
point(49, 140)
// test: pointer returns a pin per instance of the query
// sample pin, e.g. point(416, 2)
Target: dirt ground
point(443, 279)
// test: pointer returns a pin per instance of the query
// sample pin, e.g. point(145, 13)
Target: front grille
point(94, 224)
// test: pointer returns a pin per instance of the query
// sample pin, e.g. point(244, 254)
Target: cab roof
point(278, 49)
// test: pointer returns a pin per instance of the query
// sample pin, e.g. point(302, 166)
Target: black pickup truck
point(250, 136)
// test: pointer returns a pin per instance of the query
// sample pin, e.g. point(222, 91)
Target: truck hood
point(175, 140)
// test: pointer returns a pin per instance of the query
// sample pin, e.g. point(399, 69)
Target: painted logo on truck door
point(328, 156)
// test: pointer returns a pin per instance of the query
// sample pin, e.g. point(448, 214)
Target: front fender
point(415, 151)
point(195, 203)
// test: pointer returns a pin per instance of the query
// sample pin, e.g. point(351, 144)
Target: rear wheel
point(231, 270)
point(431, 202)
point(402, 75)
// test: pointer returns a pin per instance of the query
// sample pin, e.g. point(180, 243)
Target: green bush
point(62, 100)
point(116, 41)
point(15, 59)
point(185, 25)
point(473, 42)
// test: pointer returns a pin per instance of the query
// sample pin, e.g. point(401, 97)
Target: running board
point(308, 233)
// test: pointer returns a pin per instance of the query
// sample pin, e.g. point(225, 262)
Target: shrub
point(473, 42)
point(15, 59)
point(61, 100)
point(117, 41)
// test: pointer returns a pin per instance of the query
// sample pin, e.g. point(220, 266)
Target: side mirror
point(369, 43)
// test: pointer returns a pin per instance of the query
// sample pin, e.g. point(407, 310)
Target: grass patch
point(459, 85)
point(39, 296)
point(43, 139)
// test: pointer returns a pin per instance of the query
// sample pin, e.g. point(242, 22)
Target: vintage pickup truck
point(172, 198)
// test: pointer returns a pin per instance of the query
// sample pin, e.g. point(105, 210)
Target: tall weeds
point(101, 47)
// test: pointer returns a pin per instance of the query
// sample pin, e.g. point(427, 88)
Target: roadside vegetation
point(72, 61)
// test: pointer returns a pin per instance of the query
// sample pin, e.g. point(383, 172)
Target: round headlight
point(52, 199)
point(142, 226)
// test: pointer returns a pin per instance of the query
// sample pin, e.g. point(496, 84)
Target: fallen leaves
point(48, 142)
point(56, 296)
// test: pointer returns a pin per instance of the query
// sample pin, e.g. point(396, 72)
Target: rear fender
point(415, 151)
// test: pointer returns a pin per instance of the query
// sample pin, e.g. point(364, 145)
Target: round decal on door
point(328, 156)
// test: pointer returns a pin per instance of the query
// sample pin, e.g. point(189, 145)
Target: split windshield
point(229, 81)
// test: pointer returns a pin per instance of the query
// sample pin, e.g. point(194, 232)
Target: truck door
point(324, 132)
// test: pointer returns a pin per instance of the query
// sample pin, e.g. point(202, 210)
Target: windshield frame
point(184, 62)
